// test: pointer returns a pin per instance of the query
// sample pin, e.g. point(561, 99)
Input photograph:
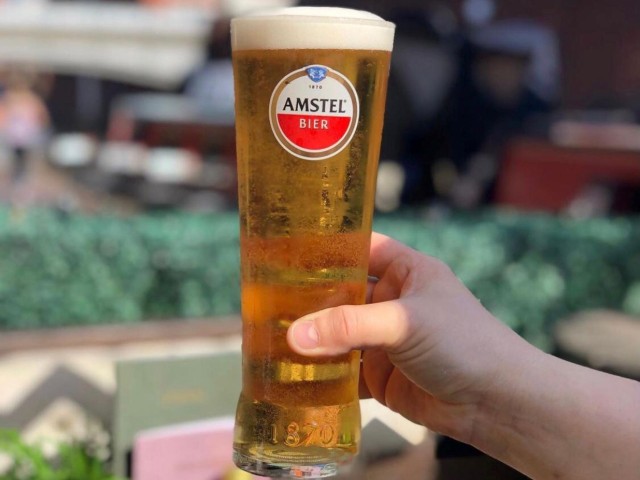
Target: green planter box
point(58, 270)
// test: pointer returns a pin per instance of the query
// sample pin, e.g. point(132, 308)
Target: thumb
point(338, 330)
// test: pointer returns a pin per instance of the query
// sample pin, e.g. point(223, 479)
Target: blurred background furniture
point(546, 177)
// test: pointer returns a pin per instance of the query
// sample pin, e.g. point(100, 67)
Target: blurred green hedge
point(530, 270)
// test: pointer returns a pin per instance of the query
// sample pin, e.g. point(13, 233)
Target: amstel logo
point(314, 112)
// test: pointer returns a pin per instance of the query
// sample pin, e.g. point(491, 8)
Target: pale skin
point(434, 354)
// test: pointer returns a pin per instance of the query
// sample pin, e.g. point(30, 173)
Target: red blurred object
point(538, 175)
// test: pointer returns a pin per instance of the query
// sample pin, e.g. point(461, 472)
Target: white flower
point(6, 463)
point(49, 449)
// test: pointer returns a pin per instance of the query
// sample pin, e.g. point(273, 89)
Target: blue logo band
point(317, 74)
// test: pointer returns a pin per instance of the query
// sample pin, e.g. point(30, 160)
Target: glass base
point(285, 470)
point(295, 441)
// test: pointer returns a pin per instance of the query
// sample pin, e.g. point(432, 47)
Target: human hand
point(431, 350)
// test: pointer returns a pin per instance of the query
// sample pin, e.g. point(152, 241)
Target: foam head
point(312, 27)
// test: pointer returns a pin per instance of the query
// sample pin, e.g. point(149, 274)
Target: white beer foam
point(312, 27)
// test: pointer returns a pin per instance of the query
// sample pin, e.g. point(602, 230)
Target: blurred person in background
point(503, 74)
point(24, 122)
point(211, 85)
point(509, 75)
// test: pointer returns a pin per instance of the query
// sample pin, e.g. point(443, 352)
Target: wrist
point(486, 407)
point(519, 371)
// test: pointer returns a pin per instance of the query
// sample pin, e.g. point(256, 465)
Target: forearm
point(551, 419)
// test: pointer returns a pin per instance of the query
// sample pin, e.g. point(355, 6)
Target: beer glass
point(310, 86)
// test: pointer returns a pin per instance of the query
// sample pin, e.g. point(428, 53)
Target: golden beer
point(310, 91)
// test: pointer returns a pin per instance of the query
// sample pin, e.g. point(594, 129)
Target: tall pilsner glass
point(310, 89)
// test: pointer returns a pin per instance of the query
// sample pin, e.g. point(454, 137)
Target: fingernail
point(305, 335)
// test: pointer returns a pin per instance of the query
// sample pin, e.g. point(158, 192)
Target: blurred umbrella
point(123, 42)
